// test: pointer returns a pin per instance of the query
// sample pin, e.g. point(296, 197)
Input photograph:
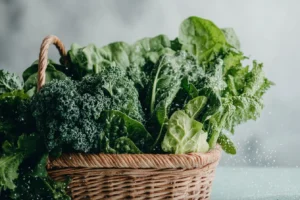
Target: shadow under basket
point(137, 176)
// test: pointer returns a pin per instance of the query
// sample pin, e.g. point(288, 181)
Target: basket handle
point(43, 57)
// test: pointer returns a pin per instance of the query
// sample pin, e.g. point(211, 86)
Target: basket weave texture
point(130, 176)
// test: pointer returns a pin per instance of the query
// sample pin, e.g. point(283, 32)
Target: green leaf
point(165, 83)
point(255, 81)
point(30, 187)
point(231, 37)
point(9, 170)
point(9, 82)
point(130, 58)
point(126, 145)
point(15, 117)
point(200, 37)
point(195, 106)
point(13, 157)
point(40, 169)
point(184, 135)
point(190, 88)
point(30, 76)
point(226, 144)
point(118, 125)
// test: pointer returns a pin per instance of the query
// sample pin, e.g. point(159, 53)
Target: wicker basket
point(131, 176)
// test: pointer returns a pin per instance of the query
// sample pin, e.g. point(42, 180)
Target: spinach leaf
point(201, 38)
point(184, 135)
point(9, 82)
point(122, 134)
point(231, 37)
point(126, 145)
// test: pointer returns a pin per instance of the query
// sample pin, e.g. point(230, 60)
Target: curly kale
point(113, 84)
point(9, 82)
point(67, 112)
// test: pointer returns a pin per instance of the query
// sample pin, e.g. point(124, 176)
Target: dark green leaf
point(119, 125)
point(226, 144)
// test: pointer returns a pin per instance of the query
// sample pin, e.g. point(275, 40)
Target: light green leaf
point(231, 37)
point(195, 106)
point(184, 135)
point(9, 170)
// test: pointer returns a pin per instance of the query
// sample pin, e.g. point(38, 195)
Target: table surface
point(256, 184)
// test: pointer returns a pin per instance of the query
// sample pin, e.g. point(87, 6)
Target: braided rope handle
point(43, 57)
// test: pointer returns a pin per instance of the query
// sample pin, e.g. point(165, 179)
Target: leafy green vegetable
point(30, 75)
point(15, 116)
point(195, 106)
point(122, 134)
point(201, 38)
point(241, 105)
point(13, 157)
point(226, 144)
point(165, 83)
point(34, 183)
point(31, 187)
point(9, 82)
point(67, 112)
point(187, 92)
point(130, 58)
point(231, 37)
point(184, 135)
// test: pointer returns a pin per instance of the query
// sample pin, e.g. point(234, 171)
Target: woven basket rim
point(136, 161)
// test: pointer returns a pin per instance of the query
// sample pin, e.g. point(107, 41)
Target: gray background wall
point(269, 31)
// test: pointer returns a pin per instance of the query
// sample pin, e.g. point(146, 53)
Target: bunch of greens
point(154, 96)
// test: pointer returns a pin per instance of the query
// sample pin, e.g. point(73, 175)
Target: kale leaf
point(9, 82)
point(68, 112)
